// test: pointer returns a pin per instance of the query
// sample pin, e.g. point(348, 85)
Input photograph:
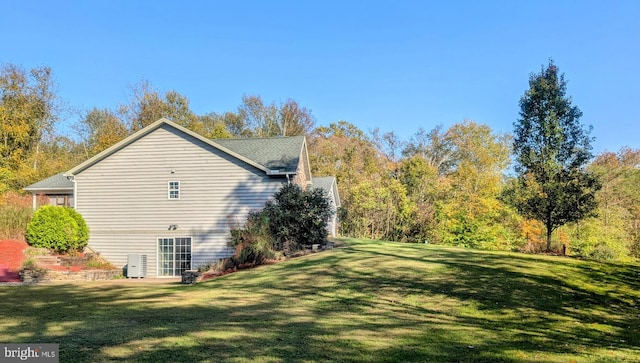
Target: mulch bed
point(11, 258)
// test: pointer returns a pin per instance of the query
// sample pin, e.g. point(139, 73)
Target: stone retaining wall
point(84, 275)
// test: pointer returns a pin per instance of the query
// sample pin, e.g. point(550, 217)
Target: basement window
point(174, 190)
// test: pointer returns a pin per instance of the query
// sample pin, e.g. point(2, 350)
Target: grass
point(368, 302)
point(15, 214)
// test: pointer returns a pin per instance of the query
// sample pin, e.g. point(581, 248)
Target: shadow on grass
point(367, 302)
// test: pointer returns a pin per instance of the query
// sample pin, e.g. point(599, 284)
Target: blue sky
point(396, 65)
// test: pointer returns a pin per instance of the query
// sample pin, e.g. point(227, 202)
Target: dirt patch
point(11, 258)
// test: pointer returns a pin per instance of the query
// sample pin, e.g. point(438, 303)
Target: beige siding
point(331, 223)
point(124, 198)
point(302, 177)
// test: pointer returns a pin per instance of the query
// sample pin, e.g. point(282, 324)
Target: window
point(174, 256)
point(174, 190)
point(61, 200)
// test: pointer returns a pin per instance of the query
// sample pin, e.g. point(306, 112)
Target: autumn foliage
point(443, 184)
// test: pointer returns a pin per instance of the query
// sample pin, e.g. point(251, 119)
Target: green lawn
point(367, 302)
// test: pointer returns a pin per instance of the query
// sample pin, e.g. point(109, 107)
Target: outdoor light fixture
point(173, 227)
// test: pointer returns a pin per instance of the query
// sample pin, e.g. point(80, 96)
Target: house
point(58, 190)
point(329, 185)
point(172, 195)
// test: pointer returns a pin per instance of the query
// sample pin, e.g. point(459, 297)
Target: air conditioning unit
point(136, 265)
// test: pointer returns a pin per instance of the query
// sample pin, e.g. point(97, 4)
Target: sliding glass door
point(174, 256)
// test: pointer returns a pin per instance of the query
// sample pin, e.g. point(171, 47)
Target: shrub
point(205, 267)
point(96, 262)
point(253, 243)
point(297, 218)
point(83, 229)
point(219, 266)
point(58, 228)
point(603, 252)
point(29, 264)
point(30, 270)
point(224, 264)
point(293, 219)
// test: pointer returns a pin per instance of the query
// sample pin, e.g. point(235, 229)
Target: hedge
point(58, 228)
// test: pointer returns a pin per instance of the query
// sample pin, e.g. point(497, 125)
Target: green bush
point(603, 252)
point(58, 228)
point(292, 219)
point(297, 218)
point(83, 229)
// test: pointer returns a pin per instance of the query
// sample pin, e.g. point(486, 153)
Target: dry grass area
point(15, 214)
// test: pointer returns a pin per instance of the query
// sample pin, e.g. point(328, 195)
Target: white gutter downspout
point(75, 191)
point(35, 203)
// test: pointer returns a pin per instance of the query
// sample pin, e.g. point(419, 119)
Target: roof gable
point(328, 184)
point(274, 156)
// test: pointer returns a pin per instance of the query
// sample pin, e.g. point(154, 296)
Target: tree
point(389, 146)
point(257, 119)
point(472, 215)
point(28, 112)
point(147, 106)
point(423, 186)
point(101, 128)
point(294, 120)
point(617, 227)
point(551, 150)
point(343, 150)
point(213, 127)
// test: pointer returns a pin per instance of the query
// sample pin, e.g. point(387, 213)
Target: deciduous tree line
point(451, 185)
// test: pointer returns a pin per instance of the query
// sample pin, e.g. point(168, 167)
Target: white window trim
point(169, 190)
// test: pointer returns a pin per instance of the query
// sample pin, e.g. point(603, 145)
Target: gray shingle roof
point(325, 183)
point(56, 182)
point(274, 153)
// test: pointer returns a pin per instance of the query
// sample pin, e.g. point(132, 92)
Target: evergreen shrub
point(58, 228)
point(291, 220)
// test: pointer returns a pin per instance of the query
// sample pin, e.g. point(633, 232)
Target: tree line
point(463, 185)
